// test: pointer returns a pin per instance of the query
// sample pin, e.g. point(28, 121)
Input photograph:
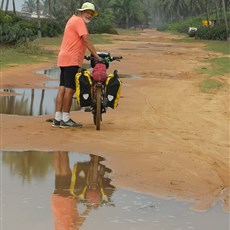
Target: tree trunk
point(2, 4)
point(7, 4)
point(14, 9)
point(50, 10)
point(207, 11)
point(39, 19)
point(217, 12)
point(226, 20)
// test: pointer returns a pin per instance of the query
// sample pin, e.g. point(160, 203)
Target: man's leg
point(70, 88)
point(59, 105)
point(59, 101)
point(59, 98)
point(67, 99)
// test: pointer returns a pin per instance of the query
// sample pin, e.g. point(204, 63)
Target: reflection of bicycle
point(99, 78)
point(90, 182)
point(86, 183)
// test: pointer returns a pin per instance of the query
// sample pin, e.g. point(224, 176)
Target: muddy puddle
point(35, 102)
point(30, 102)
point(56, 190)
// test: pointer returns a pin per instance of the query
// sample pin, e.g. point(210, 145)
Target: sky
point(18, 4)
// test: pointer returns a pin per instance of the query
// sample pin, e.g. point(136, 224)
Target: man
point(70, 59)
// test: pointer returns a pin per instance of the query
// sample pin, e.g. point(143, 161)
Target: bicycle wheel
point(98, 107)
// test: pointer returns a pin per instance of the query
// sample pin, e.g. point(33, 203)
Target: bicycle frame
point(97, 107)
point(99, 104)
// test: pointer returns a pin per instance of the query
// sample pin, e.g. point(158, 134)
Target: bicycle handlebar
point(104, 59)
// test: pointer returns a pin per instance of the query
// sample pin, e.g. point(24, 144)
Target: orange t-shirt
point(65, 212)
point(73, 48)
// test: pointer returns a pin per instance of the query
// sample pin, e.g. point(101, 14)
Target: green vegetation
point(218, 46)
point(211, 85)
point(36, 51)
point(56, 41)
point(24, 55)
point(216, 32)
point(101, 39)
point(217, 67)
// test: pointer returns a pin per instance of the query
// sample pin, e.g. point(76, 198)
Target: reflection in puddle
point(65, 190)
point(34, 102)
point(30, 102)
point(52, 73)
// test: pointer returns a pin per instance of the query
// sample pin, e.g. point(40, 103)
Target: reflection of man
point(86, 183)
point(64, 205)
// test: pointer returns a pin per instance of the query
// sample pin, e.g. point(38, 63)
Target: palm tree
point(226, 20)
point(7, 5)
point(2, 4)
point(128, 12)
point(14, 9)
point(39, 19)
point(29, 6)
point(217, 10)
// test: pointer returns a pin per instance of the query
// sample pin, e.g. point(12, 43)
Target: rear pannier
point(83, 88)
point(112, 90)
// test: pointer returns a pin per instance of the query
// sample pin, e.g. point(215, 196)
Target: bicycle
point(99, 77)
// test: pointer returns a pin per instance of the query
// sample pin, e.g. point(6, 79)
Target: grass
point(211, 85)
point(100, 38)
point(56, 41)
point(216, 67)
point(38, 50)
point(218, 46)
point(23, 55)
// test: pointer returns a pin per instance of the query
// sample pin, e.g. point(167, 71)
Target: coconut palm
point(7, 5)
point(128, 12)
point(39, 19)
point(29, 6)
point(14, 8)
point(226, 20)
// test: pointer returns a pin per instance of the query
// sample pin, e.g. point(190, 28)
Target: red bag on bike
point(99, 72)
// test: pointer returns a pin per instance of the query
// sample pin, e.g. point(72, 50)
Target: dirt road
point(165, 138)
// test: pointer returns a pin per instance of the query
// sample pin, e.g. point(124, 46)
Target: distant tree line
point(120, 13)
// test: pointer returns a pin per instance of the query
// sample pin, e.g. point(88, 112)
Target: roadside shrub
point(217, 32)
point(15, 30)
point(183, 26)
point(51, 28)
point(16, 33)
point(103, 24)
point(162, 27)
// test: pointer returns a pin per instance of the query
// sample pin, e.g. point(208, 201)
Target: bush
point(51, 28)
point(17, 33)
point(217, 32)
point(16, 30)
point(183, 26)
point(162, 27)
point(103, 24)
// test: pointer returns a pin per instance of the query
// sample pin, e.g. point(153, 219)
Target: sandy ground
point(166, 138)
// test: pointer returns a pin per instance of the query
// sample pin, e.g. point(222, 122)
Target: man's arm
point(89, 45)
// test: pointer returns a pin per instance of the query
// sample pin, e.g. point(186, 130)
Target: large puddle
point(31, 102)
point(34, 102)
point(67, 190)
